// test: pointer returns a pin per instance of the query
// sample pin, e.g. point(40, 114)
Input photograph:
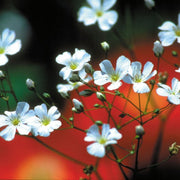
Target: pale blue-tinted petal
point(105, 130)
point(107, 20)
point(65, 73)
point(96, 149)
point(55, 124)
point(128, 79)
point(8, 133)
point(3, 59)
point(100, 79)
point(179, 19)
point(23, 129)
point(168, 89)
point(110, 142)
point(178, 39)
point(41, 110)
point(54, 113)
point(150, 76)
point(43, 131)
point(175, 85)
point(122, 64)
point(162, 92)
point(95, 4)
point(92, 133)
point(167, 26)
point(147, 69)
point(114, 134)
point(64, 58)
point(7, 37)
point(22, 108)
point(114, 85)
point(167, 38)
point(136, 68)
point(81, 56)
point(106, 67)
point(107, 4)
point(14, 47)
point(3, 120)
point(87, 16)
point(141, 88)
point(173, 99)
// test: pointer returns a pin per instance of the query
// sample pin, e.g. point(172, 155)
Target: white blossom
point(109, 75)
point(74, 63)
point(47, 120)
point(16, 120)
point(98, 12)
point(169, 32)
point(108, 136)
point(149, 3)
point(137, 78)
point(173, 95)
point(8, 45)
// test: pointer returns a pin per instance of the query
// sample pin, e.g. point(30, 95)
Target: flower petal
point(54, 113)
point(166, 38)
point(100, 79)
point(162, 92)
point(8, 133)
point(167, 26)
point(95, 4)
point(114, 134)
point(96, 149)
point(173, 99)
point(23, 129)
point(3, 59)
point(55, 124)
point(14, 47)
point(106, 67)
point(92, 133)
point(175, 85)
point(107, 4)
point(22, 108)
point(65, 73)
point(64, 58)
point(141, 88)
point(114, 85)
point(105, 130)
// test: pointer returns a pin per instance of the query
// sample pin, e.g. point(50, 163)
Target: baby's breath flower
point(78, 106)
point(8, 46)
point(16, 120)
point(158, 49)
point(109, 75)
point(46, 121)
point(169, 32)
point(107, 137)
point(137, 78)
point(98, 12)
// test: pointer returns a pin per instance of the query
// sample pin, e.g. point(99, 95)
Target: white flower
point(16, 120)
point(149, 3)
point(137, 78)
point(158, 49)
point(74, 63)
point(108, 74)
point(8, 46)
point(98, 12)
point(46, 121)
point(173, 95)
point(107, 137)
point(169, 32)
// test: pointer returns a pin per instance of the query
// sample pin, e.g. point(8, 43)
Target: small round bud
point(46, 95)
point(30, 84)
point(88, 68)
point(2, 76)
point(158, 49)
point(74, 78)
point(152, 82)
point(99, 123)
point(101, 96)
point(71, 119)
point(97, 105)
point(78, 106)
point(139, 130)
point(174, 53)
point(105, 46)
point(163, 77)
point(149, 4)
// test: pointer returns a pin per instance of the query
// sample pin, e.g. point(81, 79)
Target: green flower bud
point(30, 84)
point(174, 53)
point(74, 78)
point(86, 92)
point(78, 106)
point(105, 46)
point(46, 95)
point(88, 68)
point(101, 96)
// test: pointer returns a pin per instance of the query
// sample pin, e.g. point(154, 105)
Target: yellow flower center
point(177, 31)
point(102, 140)
point(99, 13)
point(46, 121)
point(2, 50)
point(137, 78)
point(114, 77)
point(73, 65)
point(15, 121)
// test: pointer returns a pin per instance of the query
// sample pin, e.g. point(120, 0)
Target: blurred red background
point(25, 158)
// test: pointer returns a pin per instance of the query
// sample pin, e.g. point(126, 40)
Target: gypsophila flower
point(137, 78)
point(47, 120)
point(173, 95)
point(149, 3)
point(74, 63)
point(78, 106)
point(109, 75)
point(8, 45)
point(108, 136)
point(98, 12)
point(177, 70)
point(16, 120)
point(169, 32)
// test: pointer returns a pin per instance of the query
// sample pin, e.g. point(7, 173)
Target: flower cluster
point(38, 121)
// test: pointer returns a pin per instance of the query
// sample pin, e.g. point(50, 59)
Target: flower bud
point(46, 95)
point(174, 149)
point(74, 78)
point(30, 84)
point(174, 53)
point(163, 77)
point(105, 46)
point(86, 92)
point(149, 4)
point(139, 130)
point(88, 68)
point(101, 96)
point(158, 49)
point(78, 106)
